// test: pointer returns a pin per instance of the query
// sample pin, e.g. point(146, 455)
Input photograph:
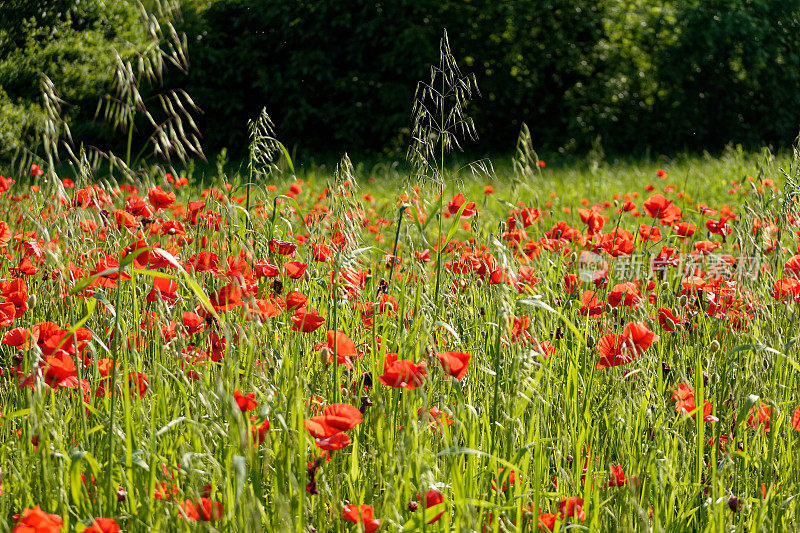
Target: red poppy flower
point(204, 261)
point(160, 199)
point(37, 521)
point(8, 313)
point(507, 482)
point(668, 319)
point(571, 283)
point(649, 233)
point(279, 247)
point(617, 476)
point(572, 507)
point(259, 431)
point(402, 373)
point(295, 269)
point(454, 363)
point(202, 509)
point(435, 417)
point(5, 233)
point(719, 227)
point(591, 304)
point(337, 441)
point(547, 521)
point(295, 300)
point(139, 383)
point(625, 294)
point(593, 219)
point(17, 337)
point(796, 419)
point(455, 204)
point(58, 371)
point(294, 190)
point(684, 399)
point(124, 219)
point(226, 297)
point(684, 229)
point(760, 416)
point(430, 499)
point(306, 321)
point(518, 329)
point(164, 288)
point(616, 350)
point(245, 402)
point(193, 322)
point(343, 347)
point(103, 525)
point(361, 514)
point(263, 309)
point(26, 267)
point(342, 416)
point(335, 418)
point(656, 206)
point(173, 227)
point(787, 288)
point(264, 269)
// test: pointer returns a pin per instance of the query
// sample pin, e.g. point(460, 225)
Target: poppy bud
point(324, 355)
point(714, 346)
point(665, 287)
point(366, 378)
point(683, 301)
point(277, 286)
point(734, 504)
point(32, 301)
point(383, 287)
point(365, 403)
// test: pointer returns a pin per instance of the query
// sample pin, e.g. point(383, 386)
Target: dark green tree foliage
point(71, 42)
point(337, 76)
point(733, 72)
point(342, 74)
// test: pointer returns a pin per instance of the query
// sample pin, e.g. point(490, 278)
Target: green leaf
point(538, 302)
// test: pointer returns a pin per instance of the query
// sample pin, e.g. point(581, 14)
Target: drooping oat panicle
point(439, 115)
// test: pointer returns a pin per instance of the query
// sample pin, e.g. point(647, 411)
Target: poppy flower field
point(354, 350)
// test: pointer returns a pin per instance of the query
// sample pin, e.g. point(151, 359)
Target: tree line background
point(627, 75)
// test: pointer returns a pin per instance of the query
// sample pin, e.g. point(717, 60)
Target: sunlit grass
point(525, 428)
